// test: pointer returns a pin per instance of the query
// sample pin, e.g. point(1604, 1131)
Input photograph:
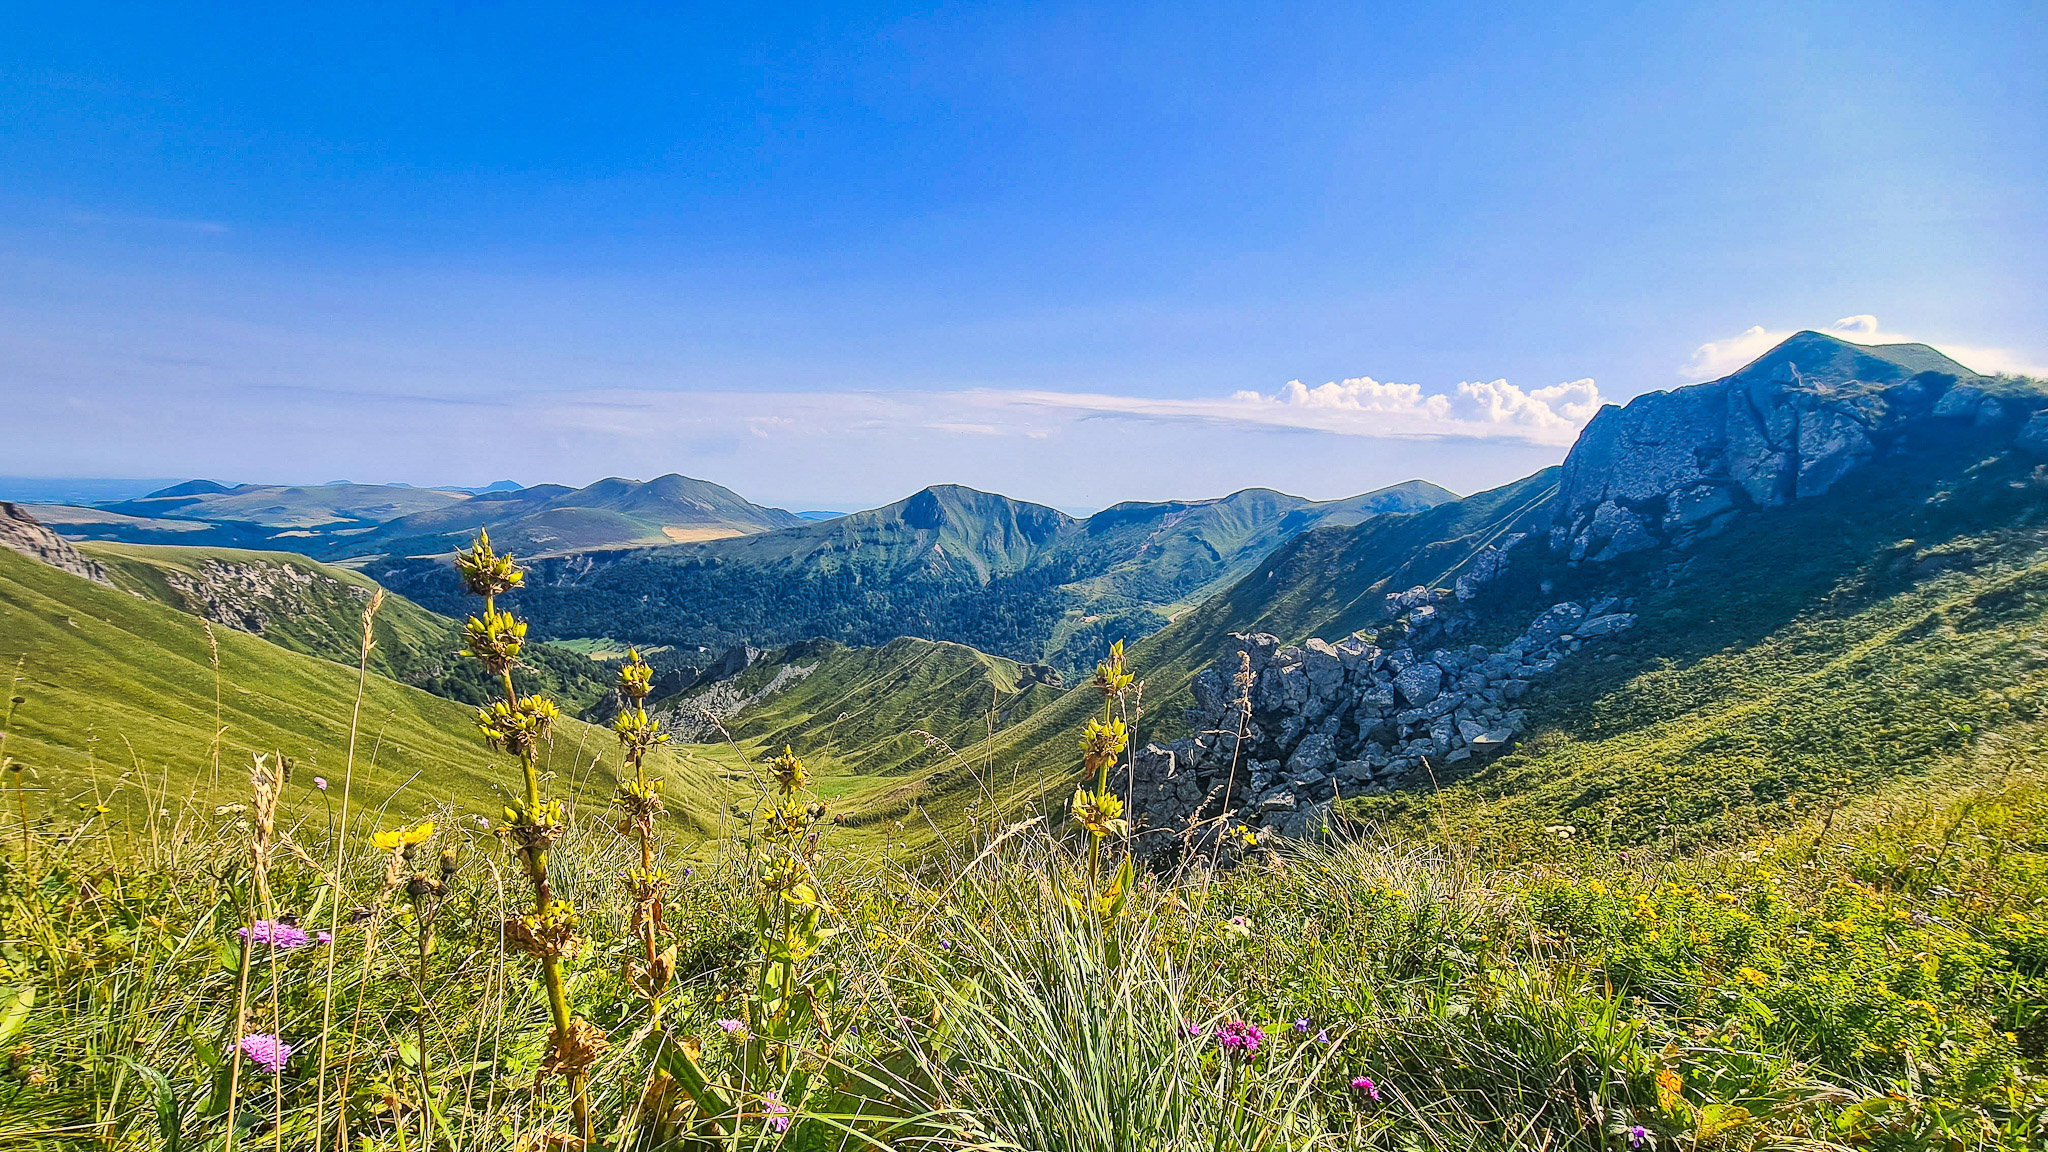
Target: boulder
point(1316, 751)
point(1420, 683)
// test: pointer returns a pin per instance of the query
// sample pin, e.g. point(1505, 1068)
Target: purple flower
point(279, 935)
point(778, 1112)
point(1323, 1037)
point(1638, 1136)
point(1364, 1084)
point(733, 1027)
point(689, 872)
point(946, 944)
point(1195, 1030)
point(1240, 1038)
point(266, 1050)
point(320, 782)
point(325, 937)
point(1301, 1025)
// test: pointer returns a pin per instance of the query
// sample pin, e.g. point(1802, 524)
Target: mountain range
point(1012, 578)
point(342, 521)
point(1731, 600)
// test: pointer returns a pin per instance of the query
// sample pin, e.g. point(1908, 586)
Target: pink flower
point(325, 937)
point(266, 1050)
point(1240, 1038)
point(1195, 1030)
point(320, 782)
point(279, 935)
point(733, 1027)
point(778, 1112)
point(1364, 1084)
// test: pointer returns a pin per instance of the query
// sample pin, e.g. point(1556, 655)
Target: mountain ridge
point(949, 562)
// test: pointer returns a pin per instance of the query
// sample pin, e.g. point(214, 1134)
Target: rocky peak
point(1671, 467)
point(28, 536)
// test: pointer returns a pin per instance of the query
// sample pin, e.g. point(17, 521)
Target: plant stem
point(537, 873)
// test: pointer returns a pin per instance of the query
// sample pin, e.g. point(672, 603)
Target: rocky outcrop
point(699, 717)
point(249, 595)
point(1672, 467)
point(1284, 731)
point(25, 534)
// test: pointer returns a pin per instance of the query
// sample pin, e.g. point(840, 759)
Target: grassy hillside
point(301, 604)
point(950, 563)
point(119, 699)
point(875, 723)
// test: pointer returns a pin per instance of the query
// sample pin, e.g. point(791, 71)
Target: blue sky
point(828, 254)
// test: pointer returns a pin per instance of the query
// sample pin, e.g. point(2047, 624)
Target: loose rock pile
point(1281, 732)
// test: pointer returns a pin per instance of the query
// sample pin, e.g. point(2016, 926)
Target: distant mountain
point(550, 519)
point(1006, 576)
point(285, 506)
point(343, 520)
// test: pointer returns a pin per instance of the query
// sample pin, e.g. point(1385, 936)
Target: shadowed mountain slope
point(1017, 579)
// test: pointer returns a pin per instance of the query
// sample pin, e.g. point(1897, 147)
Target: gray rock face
point(1673, 466)
point(25, 534)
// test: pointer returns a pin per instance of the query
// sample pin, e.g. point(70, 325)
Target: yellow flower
point(402, 837)
point(484, 572)
point(1100, 743)
point(1100, 813)
point(789, 771)
point(1110, 677)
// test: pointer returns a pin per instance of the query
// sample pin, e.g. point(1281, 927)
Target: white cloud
point(1362, 407)
point(1717, 358)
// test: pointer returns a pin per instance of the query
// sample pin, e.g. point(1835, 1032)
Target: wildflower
point(1100, 813)
point(320, 782)
point(1301, 1025)
point(789, 772)
point(1323, 1037)
point(325, 937)
point(1240, 1038)
point(1364, 1084)
point(777, 1111)
point(1195, 1030)
point(1638, 1136)
point(266, 1050)
point(946, 944)
point(279, 935)
point(402, 837)
point(733, 1027)
point(1238, 926)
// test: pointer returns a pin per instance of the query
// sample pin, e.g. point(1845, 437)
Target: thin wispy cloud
point(1717, 358)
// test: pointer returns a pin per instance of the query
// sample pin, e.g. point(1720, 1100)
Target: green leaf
point(680, 1063)
point(170, 1114)
point(14, 1006)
